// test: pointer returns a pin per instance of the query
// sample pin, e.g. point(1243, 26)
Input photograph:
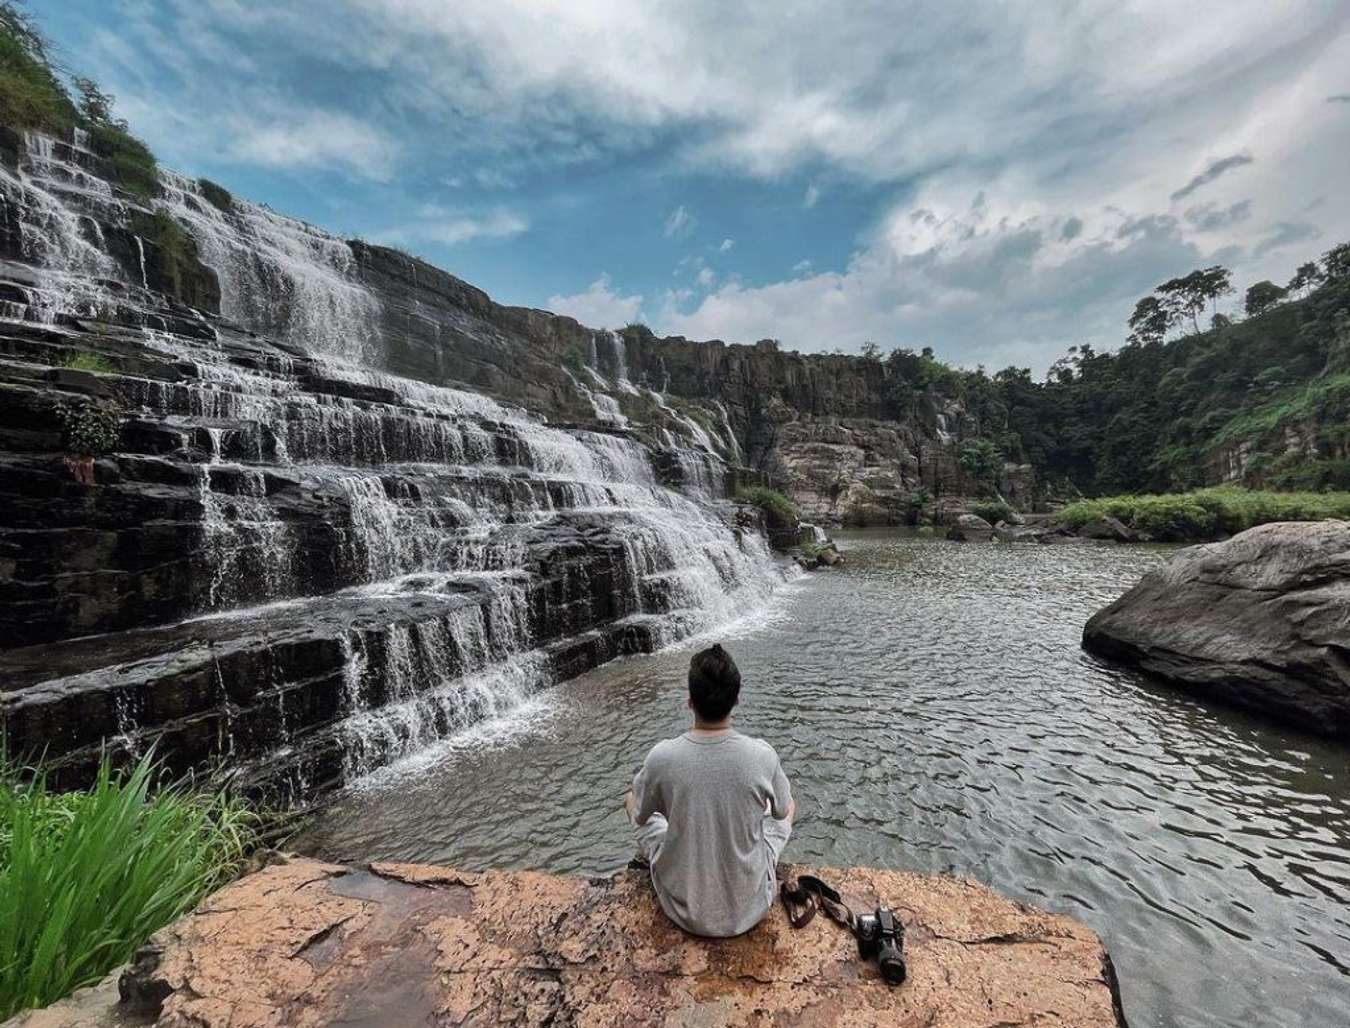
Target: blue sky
point(998, 181)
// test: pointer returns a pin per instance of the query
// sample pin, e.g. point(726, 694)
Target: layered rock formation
point(305, 943)
point(1261, 621)
point(309, 505)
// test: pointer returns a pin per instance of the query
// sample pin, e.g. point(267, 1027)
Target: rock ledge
point(309, 943)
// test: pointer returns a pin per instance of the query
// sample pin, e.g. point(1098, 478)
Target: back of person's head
point(714, 683)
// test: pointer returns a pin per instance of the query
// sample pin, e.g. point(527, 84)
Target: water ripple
point(934, 710)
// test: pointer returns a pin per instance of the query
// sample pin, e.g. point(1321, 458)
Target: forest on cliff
point(1264, 400)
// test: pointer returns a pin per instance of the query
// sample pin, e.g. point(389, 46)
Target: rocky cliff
point(308, 505)
point(306, 943)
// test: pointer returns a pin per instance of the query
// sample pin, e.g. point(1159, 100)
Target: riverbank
point(1203, 515)
point(308, 943)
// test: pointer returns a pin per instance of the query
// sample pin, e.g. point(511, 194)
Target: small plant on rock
point(88, 430)
point(83, 360)
point(772, 502)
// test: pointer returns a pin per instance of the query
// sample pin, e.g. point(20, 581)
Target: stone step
point(272, 686)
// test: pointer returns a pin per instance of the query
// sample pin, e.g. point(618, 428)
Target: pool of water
point(933, 709)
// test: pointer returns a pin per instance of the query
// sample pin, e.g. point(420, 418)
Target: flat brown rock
point(308, 943)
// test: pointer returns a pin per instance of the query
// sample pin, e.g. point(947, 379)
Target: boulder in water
point(1262, 621)
point(970, 528)
point(1110, 528)
point(304, 942)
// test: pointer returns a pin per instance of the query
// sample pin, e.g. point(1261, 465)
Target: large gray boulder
point(1262, 621)
point(970, 528)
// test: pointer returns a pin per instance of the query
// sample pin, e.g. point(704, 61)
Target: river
point(934, 710)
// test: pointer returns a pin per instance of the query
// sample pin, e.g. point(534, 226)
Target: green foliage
point(773, 503)
point(216, 195)
point(1206, 513)
point(89, 429)
point(1263, 295)
point(992, 511)
point(132, 164)
point(981, 459)
point(1336, 263)
point(1151, 416)
point(83, 360)
point(574, 360)
point(87, 877)
point(31, 96)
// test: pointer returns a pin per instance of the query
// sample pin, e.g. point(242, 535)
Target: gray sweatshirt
point(714, 870)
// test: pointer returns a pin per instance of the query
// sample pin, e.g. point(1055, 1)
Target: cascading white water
point(48, 195)
point(279, 276)
point(619, 354)
point(424, 490)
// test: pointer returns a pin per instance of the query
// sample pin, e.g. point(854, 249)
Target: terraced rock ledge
point(308, 943)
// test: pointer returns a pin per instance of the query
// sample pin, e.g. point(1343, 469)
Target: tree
point(1336, 263)
point(1151, 321)
point(871, 351)
point(1263, 296)
point(980, 459)
point(1186, 296)
point(1307, 278)
point(96, 105)
point(1220, 321)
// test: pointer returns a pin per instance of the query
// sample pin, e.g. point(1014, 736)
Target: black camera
point(881, 935)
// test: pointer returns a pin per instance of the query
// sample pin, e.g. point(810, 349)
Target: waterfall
point(278, 275)
point(396, 559)
point(619, 355)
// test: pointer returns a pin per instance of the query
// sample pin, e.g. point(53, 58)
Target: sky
point(999, 181)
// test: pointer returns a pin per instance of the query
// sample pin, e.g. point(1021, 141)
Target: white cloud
point(436, 224)
point(679, 222)
point(1041, 158)
point(725, 245)
point(309, 139)
point(983, 283)
point(706, 277)
point(599, 305)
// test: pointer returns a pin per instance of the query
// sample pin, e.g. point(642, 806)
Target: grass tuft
point(86, 877)
point(772, 502)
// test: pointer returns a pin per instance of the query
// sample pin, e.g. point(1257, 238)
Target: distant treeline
point(1177, 405)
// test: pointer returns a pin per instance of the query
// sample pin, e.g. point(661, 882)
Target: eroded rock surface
point(1262, 620)
point(308, 943)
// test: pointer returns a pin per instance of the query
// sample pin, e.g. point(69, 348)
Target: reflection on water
point(933, 707)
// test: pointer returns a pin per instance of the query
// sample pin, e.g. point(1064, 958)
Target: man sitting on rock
point(712, 811)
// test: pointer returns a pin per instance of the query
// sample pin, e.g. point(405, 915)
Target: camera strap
point(809, 894)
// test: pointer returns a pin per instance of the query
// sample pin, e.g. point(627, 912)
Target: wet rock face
point(1259, 621)
point(296, 547)
point(305, 943)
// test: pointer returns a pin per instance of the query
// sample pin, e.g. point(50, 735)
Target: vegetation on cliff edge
point(1207, 513)
point(86, 877)
point(33, 95)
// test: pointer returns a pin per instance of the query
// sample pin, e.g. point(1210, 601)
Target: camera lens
point(892, 965)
